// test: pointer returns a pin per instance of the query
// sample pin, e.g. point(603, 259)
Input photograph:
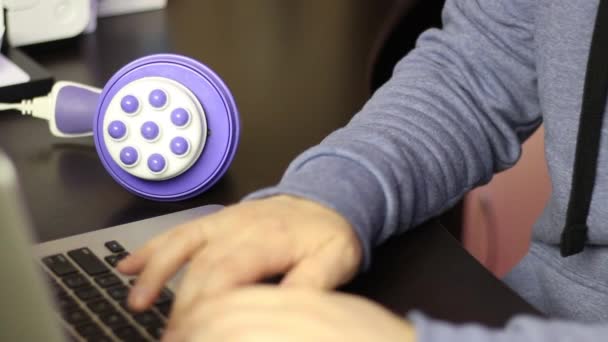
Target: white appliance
point(116, 7)
point(37, 21)
point(1, 22)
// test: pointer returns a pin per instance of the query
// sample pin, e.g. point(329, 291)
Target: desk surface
point(298, 70)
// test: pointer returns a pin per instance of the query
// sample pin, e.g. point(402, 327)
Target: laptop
point(68, 289)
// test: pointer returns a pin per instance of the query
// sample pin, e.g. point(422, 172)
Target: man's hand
point(265, 313)
point(245, 243)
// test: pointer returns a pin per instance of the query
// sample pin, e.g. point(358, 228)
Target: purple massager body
point(166, 127)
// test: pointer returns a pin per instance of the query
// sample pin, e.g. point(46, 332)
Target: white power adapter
point(1, 22)
point(38, 21)
point(116, 7)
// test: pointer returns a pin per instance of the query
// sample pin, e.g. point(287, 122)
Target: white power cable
point(69, 115)
point(39, 107)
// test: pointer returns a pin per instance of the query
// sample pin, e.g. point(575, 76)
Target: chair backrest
point(407, 20)
point(498, 217)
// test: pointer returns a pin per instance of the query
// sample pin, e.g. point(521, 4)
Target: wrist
point(409, 331)
point(353, 249)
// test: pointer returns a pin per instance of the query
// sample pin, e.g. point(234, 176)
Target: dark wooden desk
point(298, 70)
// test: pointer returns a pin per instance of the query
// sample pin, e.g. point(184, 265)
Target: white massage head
point(155, 128)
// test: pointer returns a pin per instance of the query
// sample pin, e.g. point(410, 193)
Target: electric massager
point(165, 126)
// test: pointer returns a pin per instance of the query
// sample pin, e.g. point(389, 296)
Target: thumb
point(326, 269)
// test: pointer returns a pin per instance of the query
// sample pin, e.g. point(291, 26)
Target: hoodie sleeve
point(520, 328)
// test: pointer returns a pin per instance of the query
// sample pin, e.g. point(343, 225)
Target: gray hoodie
point(456, 111)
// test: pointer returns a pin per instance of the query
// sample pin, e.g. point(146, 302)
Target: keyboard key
point(59, 265)
point(66, 303)
point(164, 302)
point(127, 334)
point(49, 278)
point(165, 296)
point(114, 246)
point(57, 290)
point(60, 292)
point(87, 293)
point(88, 261)
point(147, 318)
point(156, 331)
point(108, 280)
point(114, 319)
point(69, 336)
point(75, 281)
point(52, 283)
point(165, 308)
point(89, 329)
point(76, 316)
point(122, 255)
point(98, 338)
point(125, 306)
point(112, 260)
point(100, 306)
point(119, 292)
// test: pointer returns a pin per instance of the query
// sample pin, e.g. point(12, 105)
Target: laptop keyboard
point(91, 298)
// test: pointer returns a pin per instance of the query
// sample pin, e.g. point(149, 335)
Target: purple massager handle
point(75, 110)
point(222, 121)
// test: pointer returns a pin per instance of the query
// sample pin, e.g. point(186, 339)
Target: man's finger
point(226, 267)
point(160, 267)
point(135, 262)
point(195, 274)
point(252, 308)
point(248, 325)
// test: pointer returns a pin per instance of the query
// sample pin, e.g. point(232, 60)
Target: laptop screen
point(26, 308)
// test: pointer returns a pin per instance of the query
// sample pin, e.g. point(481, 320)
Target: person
point(454, 112)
